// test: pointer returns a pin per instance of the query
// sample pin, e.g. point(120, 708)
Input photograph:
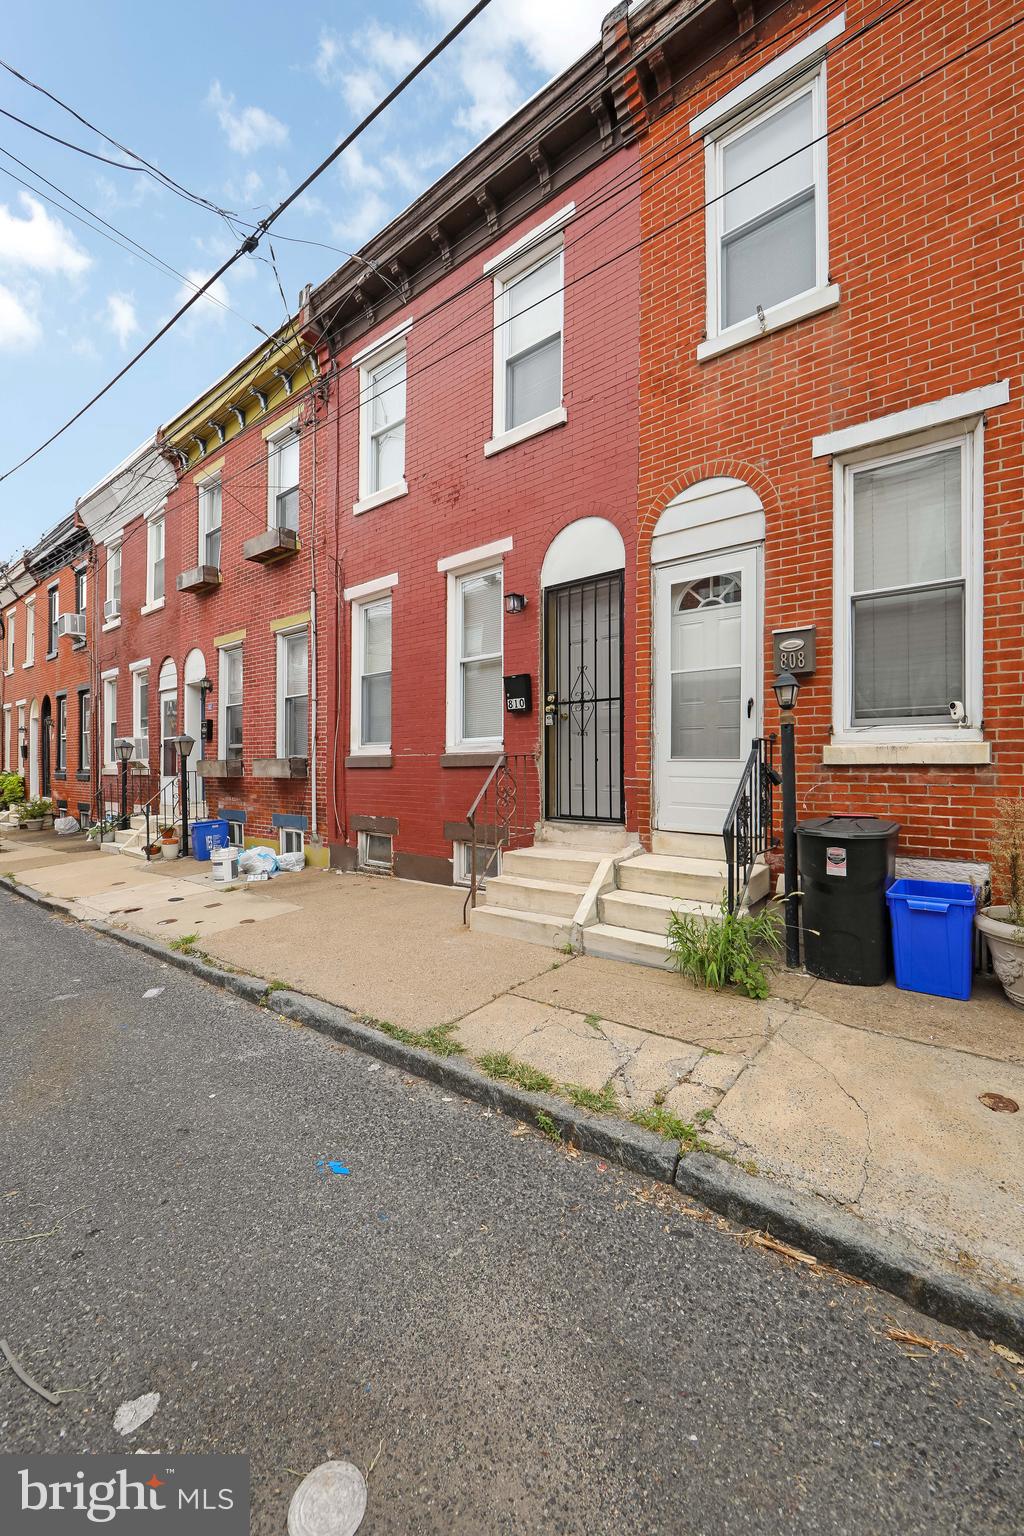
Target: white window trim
point(153, 604)
point(112, 547)
point(823, 294)
point(106, 678)
point(281, 636)
point(454, 739)
point(368, 361)
point(283, 832)
point(506, 271)
point(202, 486)
point(371, 588)
point(366, 863)
point(803, 55)
point(484, 554)
point(524, 246)
point(10, 640)
point(356, 745)
point(222, 701)
point(885, 743)
point(30, 632)
point(140, 727)
point(54, 587)
point(365, 354)
point(920, 418)
point(274, 440)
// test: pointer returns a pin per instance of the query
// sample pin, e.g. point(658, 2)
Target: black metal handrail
point(502, 816)
point(149, 794)
point(749, 827)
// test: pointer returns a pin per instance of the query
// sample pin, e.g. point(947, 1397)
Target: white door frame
point(748, 558)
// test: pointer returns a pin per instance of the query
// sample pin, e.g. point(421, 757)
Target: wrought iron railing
point(503, 815)
point(749, 827)
point(151, 795)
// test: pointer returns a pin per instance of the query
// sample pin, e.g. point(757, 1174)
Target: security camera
point(957, 713)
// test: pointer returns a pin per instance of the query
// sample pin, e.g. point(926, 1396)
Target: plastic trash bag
point(65, 825)
point(291, 863)
point(258, 862)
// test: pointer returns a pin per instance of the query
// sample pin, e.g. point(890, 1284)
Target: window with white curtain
point(528, 341)
point(209, 523)
point(293, 694)
point(382, 422)
point(911, 586)
point(767, 208)
point(372, 657)
point(283, 480)
point(479, 623)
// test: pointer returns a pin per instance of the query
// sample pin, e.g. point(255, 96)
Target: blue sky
point(237, 102)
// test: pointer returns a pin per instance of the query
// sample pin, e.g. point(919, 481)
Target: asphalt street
point(516, 1339)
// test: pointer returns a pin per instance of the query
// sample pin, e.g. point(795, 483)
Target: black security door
point(583, 699)
point(45, 747)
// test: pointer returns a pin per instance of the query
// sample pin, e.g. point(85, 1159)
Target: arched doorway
point(195, 674)
point(582, 580)
point(46, 747)
point(707, 558)
point(33, 751)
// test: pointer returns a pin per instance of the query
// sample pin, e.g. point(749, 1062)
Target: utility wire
point(251, 242)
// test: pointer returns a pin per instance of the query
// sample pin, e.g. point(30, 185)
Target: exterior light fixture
point(184, 745)
point(515, 602)
point(123, 749)
point(786, 687)
point(206, 685)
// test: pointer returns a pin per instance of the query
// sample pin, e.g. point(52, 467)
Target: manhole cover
point(1000, 1103)
point(330, 1501)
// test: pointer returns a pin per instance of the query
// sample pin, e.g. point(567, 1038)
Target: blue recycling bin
point(932, 936)
point(204, 836)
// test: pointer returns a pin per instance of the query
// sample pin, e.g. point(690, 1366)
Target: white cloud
point(19, 326)
point(360, 220)
point(121, 316)
point(247, 129)
point(209, 306)
point(39, 242)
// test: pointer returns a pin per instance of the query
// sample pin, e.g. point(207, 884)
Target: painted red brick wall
point(459, 500)
point(63, 672)
point(250, 597)
point(926, 245)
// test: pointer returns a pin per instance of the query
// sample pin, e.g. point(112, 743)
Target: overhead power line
point(251, 242)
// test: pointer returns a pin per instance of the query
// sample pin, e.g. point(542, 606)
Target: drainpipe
point(313, 647)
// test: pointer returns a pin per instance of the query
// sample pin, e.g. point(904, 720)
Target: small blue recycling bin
point(204, 836)
point(932, 936)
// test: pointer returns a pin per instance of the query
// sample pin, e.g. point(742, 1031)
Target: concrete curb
point(833, 1236)
point(619, 1141)
point(849, 1244)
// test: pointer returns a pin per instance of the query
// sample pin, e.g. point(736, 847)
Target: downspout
point(313, 646)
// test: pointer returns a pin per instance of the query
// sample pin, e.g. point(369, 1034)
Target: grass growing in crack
point(437, 1039)
point(704, 1115)
point(548, 1126)
point(500, 1065)
point(277, 986)
point(602, 1101)
point(185, 944)
point(664, 1123)
point(594, 1020)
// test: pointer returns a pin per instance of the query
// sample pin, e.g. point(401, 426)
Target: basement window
point(292, 840)
point(486, 859)
point(375, 851)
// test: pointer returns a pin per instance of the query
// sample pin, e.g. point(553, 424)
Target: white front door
point(168, 729)
point(706, 686)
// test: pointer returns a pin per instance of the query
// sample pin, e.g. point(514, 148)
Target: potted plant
point(32, 814)
point(169, 842)
point(47, 809)
point(1003, 922)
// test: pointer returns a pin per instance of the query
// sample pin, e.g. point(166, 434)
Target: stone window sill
point(369, 760)
point(485, 759)
point(152, 607)
point(503, 440)
point(899, 754)
point(776, 319)
point(380, 498)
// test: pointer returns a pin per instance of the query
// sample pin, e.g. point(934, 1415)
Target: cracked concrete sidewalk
point(867, 1097)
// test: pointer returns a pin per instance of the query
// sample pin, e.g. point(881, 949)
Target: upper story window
point(9, 663)
point(231, 701)
point(30, 632)
point(209, 522)
point(283, 480)
point(112, 605)
point(767, 197)
point(479, 629)
point(52, 615)
point(382, 408)
point(140, 710)
point(81, 578)
point(155, 564)
point(293, 694)
point(84, 730)
point(528, 313)
point(62, 734)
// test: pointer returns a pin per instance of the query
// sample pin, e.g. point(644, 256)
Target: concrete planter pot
point(35, 825)
point(169, 850)
point(1006, 943)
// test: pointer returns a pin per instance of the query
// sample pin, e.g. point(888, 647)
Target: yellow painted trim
point(232, 637)
point(318, 858)
point(281, 425)
point(214, 467)
point(293, 621)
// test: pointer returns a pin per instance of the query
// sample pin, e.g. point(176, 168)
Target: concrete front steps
point(539, 895)
point(685, 873)
point(131, 840)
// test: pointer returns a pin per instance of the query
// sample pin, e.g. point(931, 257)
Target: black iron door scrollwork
point(583, 700)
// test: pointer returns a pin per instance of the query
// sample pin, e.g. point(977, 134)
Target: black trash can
point(847, 864)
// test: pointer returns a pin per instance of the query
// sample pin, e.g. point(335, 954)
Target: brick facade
point(925, 245)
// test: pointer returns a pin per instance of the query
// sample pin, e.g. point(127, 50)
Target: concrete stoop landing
point(591, 889)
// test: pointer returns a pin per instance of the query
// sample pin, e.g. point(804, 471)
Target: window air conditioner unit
point(71, 624)
point(140, 748)
point(111, 609)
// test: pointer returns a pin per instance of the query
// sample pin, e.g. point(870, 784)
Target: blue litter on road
point(330, 1165)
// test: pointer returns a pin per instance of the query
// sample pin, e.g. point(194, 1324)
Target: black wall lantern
point(515, 602)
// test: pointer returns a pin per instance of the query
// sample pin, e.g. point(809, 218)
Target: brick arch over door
point(639, 790)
